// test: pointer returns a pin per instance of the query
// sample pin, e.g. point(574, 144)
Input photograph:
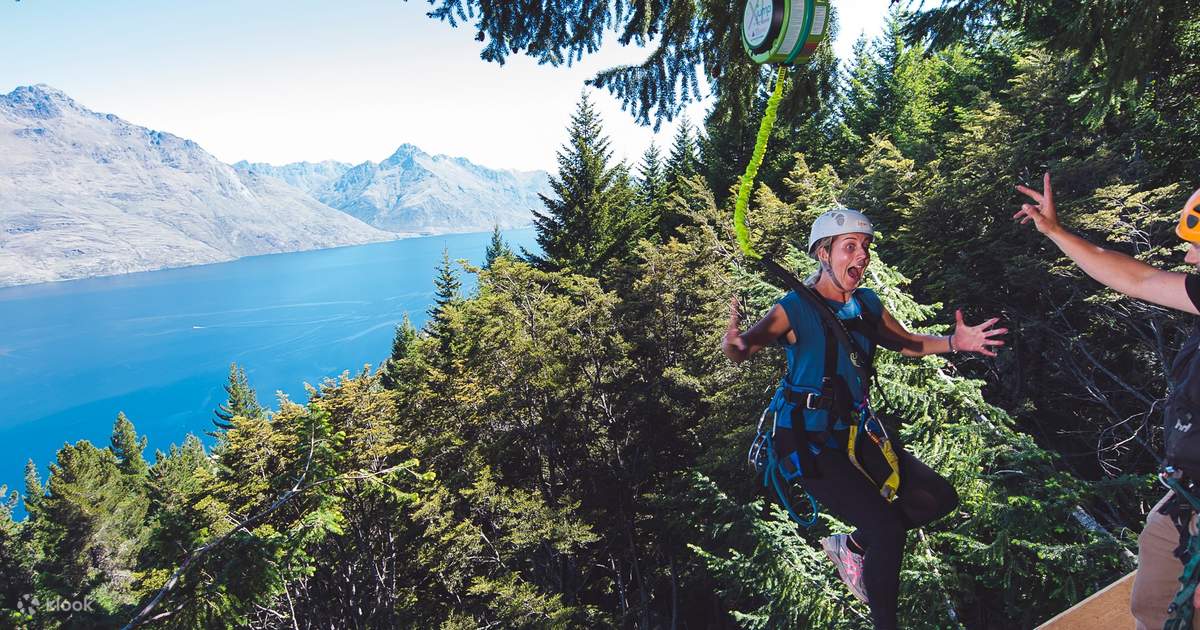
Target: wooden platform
point(1104, 610)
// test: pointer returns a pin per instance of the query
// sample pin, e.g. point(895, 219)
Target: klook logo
point(30, 604)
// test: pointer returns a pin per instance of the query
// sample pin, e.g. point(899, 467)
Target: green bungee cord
point(756, 158)
point(781, 32)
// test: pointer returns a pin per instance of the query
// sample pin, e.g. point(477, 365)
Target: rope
point(756, 158)
point(771, 476)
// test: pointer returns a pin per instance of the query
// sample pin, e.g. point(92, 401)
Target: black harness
point(866, 435)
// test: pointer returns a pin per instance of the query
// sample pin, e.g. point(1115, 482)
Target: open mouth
point(855, 273)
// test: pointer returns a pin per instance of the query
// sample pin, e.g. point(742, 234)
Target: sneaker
point(849, 564)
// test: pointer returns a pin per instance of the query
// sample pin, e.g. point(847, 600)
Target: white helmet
point(838, 222)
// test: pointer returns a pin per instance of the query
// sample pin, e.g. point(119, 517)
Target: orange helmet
point(1189, 222)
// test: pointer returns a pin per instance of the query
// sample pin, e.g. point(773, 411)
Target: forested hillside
point(565, 446)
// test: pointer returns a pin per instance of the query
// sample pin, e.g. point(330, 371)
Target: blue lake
point(158, 345)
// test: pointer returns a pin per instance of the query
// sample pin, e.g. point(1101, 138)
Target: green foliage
point(652, 189)
point(447, 294)
point(393, 374)
point(16, 578)
point(241, 401)
point(1072, 338)
point(1116, 41)
point(496, 248)
point(591, 219)
point(447, 297)
point(88, 530)
point(690, 45)
point(128, 448)
point(682, 161)
point(33, 485)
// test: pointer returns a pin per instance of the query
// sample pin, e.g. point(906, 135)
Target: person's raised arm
point(739, 347)
point(1114, 270)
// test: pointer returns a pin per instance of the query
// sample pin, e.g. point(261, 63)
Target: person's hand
point(977, 338)
point(733, 333)
point(1043, 214)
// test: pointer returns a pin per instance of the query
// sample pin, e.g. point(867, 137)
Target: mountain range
point(87, 194)
point(414, 191)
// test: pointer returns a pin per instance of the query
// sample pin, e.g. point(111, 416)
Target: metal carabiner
point(759, 453)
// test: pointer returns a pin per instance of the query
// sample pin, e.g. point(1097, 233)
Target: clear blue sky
point(274, 81)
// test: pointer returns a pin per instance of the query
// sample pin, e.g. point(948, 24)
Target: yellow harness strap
point(873, 429)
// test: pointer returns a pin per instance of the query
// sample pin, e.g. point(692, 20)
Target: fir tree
point(683, 161)
point(682, 164)
point(241, 399)
point(497, 248)
point(402, 345)
point(591, 218)
point(652, 188)
point(128, 448)
point(446, 296)
point(89, 528)
point(1116, 41)
point(33, 485)
point(177, 496)
point(860, 107)
point(15, 579)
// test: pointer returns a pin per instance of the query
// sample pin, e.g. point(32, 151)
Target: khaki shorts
point(1157, 579)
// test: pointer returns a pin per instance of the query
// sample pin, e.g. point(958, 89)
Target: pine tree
point(242, 399)
point(872, 94)
point(177, 516)
point(33, 485)
point(497, 248)
point(128, 448)
point(446, 296)
point(89, 529)
point(592, 217)
point(652, 188)
point(402, 345)
point(860, 108)
point(683, 161)
point(15, 578)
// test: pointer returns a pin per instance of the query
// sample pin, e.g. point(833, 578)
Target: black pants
point(924, 497)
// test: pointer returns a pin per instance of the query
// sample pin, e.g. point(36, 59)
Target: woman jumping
point(814, 409)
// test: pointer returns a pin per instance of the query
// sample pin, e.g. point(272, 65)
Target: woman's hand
point(976, 338)
point(733, 333)
point(1043, 215)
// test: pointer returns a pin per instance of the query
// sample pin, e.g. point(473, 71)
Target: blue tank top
point(806, 357)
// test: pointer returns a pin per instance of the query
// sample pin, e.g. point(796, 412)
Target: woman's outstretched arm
point(980, 338)
point(740, 346)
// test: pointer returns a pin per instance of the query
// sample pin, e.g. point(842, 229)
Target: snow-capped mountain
point(412, 191)
point(87, 194)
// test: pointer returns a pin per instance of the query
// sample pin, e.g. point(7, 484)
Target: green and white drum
point(783, 31)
